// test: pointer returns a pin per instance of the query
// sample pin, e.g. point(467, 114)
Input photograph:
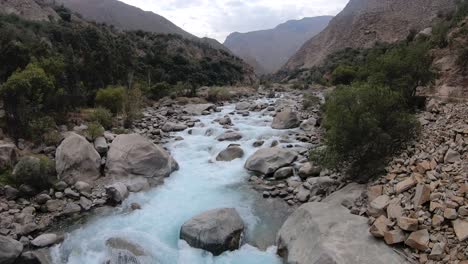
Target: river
point(200, 184)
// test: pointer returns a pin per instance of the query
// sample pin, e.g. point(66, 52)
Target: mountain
point(363, 23)
point(127, 17)
point(268, 50)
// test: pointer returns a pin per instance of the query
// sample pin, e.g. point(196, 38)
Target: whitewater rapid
point(202, 183)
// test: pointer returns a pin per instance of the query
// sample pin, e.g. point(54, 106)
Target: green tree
point(344, 74)
point(112, 98)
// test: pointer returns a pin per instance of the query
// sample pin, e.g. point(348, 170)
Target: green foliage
point(343, 75)
point(102, 116)
point(364, 124)
point(218, 94)
point(35, 171)
point(112, 98)
point(132, 105)
point(440, 32)
point(94, 130)
point(6, 178)
point(310, 101)
point(52, 138)
point(159, 90)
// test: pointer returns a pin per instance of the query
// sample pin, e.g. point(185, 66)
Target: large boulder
point(242, 106)
point(230, 153)
point(268, 160)
point(77, 160)
point(327, 233)
point(173, 127)
point(285, 119)
point(215, 231)
point(8, 155)
point(197, 109)
point(132, 156)
point(122, 251)
point(10, 250)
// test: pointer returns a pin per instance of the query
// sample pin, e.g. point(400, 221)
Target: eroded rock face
point(134, 156)
point(77, 160)
point(285, 119)
point(9, 250)
point(215, 231)
point(316, 232)
point(268, 160)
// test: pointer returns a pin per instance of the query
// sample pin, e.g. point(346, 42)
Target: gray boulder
point(242, 106)
point(284, 173)
point(309, 124)
point(229, 136)
point(77, 160)
point(215, 231)
point(116, 193)
point(134, 156)
point(230, 153)
point(10, 250)
point(309, 170)
point(101, 146)
point(197, 109)
point(45, 240)
point(268, 160)
point(122, 251)
point(285, 119)
point(173, 127)
point(327, 233)
point(8, 155)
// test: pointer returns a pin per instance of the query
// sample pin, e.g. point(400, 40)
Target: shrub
point(309, 101)
point(94, 130)
point(111, 98)
point(52, 138)
point(37, 172)
point(159, 90)
point(102, 116)
point(364, 124)
point(40, 126)
point(132, 105)
point(218, 94)
point(343, 75)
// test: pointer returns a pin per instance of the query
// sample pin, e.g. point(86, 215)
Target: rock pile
point(422, 202)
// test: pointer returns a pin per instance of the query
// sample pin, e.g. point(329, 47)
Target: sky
point(218, 18)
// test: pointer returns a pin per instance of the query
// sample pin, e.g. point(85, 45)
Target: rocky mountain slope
point(268, 50)
point(365, 22)
point(128, 17)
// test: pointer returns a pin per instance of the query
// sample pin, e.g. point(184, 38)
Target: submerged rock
point(328, 233)
point(132, 156)
point(215, 231)
point(268, 160)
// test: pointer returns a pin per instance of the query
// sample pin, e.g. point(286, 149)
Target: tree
point(112, 98)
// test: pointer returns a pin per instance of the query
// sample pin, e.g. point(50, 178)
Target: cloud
point(218, 18)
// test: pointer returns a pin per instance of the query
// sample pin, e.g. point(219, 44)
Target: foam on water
point(200, 184)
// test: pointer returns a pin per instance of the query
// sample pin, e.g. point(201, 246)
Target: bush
point(102, 116)
point(94, 130)
point(111, 98)
point(218, 94)
point(343, 75)
point(364, 124)
point(40, 126)
point(37, 172)
point(159, 90)
point(132, 106)
point(309, 101)
point(52, 138)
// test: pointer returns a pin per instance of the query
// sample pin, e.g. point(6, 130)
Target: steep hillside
point(271, 49)
point(31, 10)
point(127, 17)
point(365, 22)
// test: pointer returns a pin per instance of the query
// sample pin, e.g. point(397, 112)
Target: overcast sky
point(218, 18)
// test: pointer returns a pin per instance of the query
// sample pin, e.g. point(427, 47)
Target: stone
point(216, 231)
point(101, 146)
point(116, 193)
point(71, 208)
point(317, 231)
point(197, 109)
point(309, 124)
point(137, 184)
point(346, 195)
point(422, 195)
point(394, 210)
point(11, 193)
point(258, 143)
point(380, 203)
point(230, 153)
point(406, 184)
point(437, 220)
point(374, 192)
point(173, 127)
point(42, 198)
point(45, 240)
point(461, 229)
point(285, 119)
point(71, 194)
point(451, 156)
point(77, 160)
point(450, 213)
point(226, 120)
point(408, 224)
point(10, 250)
point(8, 155)
point(418, 240)
point(123, 244)
point(242, 106)
point(379, 227)
point(133, 156)
point(437, 252)
point(54, 205)
point(394, 237)
point(309, 170)
point(83, 187)
point(229, 136)
point(85, 203)
point(303, 194)
point(268, 160)
point(60, 186)
point(283, 173)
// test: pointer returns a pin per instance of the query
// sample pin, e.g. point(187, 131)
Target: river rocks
point(418, 240)
point(229, 136)
point(283, 173)
point(132, 156)
point(77, 160)
point(173, 127)
point(230, 153)
point(10, 250)
point(45, 240)
point(242, 106)
point(309, 124)
point(316, 232)
point(451, 156)
point(116, 193)
point(309, 170)
point(225, 121)
point(197, 109)
point(83, 187)
point(101, 146)
point(285, 119)
point(8, 155)
point(461, 229)
point(268, 160)
point(124, 252)
point(215, 231)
